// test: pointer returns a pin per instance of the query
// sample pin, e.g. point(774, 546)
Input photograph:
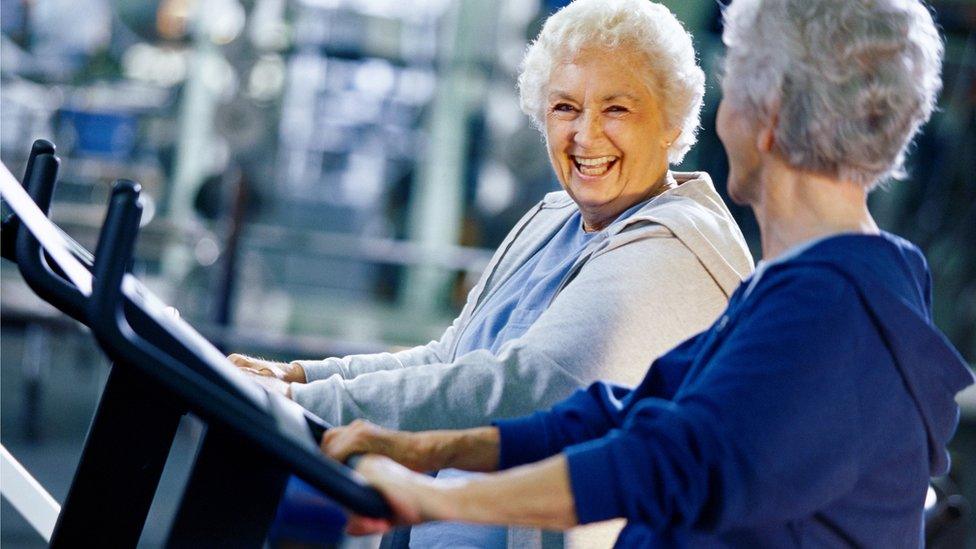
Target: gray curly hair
point(672, 72)
point(853, 80)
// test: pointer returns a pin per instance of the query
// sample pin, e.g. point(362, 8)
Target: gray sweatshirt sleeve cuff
point(321, 398)
point(320, 369)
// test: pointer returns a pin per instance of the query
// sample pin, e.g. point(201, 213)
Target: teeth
point(594, 166)
point(594, 161)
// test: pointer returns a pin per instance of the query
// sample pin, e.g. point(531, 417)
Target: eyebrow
point(558, 94)
point(623, 95)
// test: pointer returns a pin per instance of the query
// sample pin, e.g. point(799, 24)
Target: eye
point(617, 109)
point(563, 107)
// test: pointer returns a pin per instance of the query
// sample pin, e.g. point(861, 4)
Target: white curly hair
point(852, 80)
point(671, 72)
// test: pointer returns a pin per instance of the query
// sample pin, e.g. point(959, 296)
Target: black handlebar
point(169, 352)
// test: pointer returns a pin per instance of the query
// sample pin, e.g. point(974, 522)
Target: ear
point(669, 137)
point(766, 137)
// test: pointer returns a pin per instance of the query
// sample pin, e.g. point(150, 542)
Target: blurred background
point(325, 177)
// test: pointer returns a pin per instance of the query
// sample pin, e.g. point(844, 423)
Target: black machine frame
point(162, 368)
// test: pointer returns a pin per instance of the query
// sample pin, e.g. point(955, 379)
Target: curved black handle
point(39, 147)
point(10, 226)
point(31, 260)
point(117, 238)
point(116, 241)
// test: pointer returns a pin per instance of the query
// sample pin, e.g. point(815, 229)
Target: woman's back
point(817, 406)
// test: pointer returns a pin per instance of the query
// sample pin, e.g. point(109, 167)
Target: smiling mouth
point(594, 167)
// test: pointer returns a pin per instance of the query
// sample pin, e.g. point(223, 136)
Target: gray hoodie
point(640, 287)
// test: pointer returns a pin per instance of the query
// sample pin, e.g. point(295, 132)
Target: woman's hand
point(363, 437)
point(272, 385)
point(289, 372)
point(413, 497)
point(537, 495)
point(468, 449)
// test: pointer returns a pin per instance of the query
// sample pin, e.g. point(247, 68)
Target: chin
point(585, 193)
point(738, 191)
point(735, 196)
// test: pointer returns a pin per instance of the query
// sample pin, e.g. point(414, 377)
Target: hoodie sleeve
point(587, 414)
point(596, 328)
point(348, 367)
point(765, 430)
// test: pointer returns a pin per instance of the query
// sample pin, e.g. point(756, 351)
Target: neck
point(794, 207)
point(599, 219)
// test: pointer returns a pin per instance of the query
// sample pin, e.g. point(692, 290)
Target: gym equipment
point(162, 369)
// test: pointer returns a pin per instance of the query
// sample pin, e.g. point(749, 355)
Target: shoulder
point(693, 202)
point(557, 199)
point(794, 289)
point(694, 214)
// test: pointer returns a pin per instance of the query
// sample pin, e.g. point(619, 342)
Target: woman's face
point(739, 135)
point(605, 133)
point(742, 136)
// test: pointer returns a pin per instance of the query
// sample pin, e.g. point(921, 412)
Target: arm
point(595, 328)
point(584, 416)
point(536, 495)
point(348, 367)
point(767, 431)
point(468, 449)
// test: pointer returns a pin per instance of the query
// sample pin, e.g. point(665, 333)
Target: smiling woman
point(606, 135)
point(594, 282)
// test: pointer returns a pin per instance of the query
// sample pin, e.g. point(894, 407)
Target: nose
point(589, 129)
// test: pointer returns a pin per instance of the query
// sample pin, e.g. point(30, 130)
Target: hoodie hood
point(892, 278)
point(696, 215)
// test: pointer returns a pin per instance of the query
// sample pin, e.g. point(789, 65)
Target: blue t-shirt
point(519, 301)
point(507, 315)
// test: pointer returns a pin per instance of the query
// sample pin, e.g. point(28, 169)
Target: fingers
point(399, 486)
point(268, 368)
point(271, 383)
point(359, 437)
point(239, 360)
point(365, 526)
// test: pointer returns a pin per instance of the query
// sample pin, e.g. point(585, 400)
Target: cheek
point(555, 137)
point(639, 150)
point(721, 121)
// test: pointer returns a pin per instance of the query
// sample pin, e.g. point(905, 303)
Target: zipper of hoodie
point(485, 291)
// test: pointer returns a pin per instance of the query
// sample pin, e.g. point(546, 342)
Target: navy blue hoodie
point(813, 412)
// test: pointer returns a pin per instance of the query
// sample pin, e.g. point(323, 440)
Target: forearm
point(443, 396)
point(536, 495)
point(351, 366)
point(469, 449)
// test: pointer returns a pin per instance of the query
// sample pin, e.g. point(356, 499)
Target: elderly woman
point(814, 411)
point(595, 281)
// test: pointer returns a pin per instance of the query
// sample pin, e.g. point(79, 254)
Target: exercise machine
point(162, 368)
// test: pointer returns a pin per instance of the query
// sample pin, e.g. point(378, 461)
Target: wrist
point(449, 501)
point(294, 373)
point(419, 451)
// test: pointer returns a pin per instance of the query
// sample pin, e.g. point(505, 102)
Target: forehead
point(601, 73)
